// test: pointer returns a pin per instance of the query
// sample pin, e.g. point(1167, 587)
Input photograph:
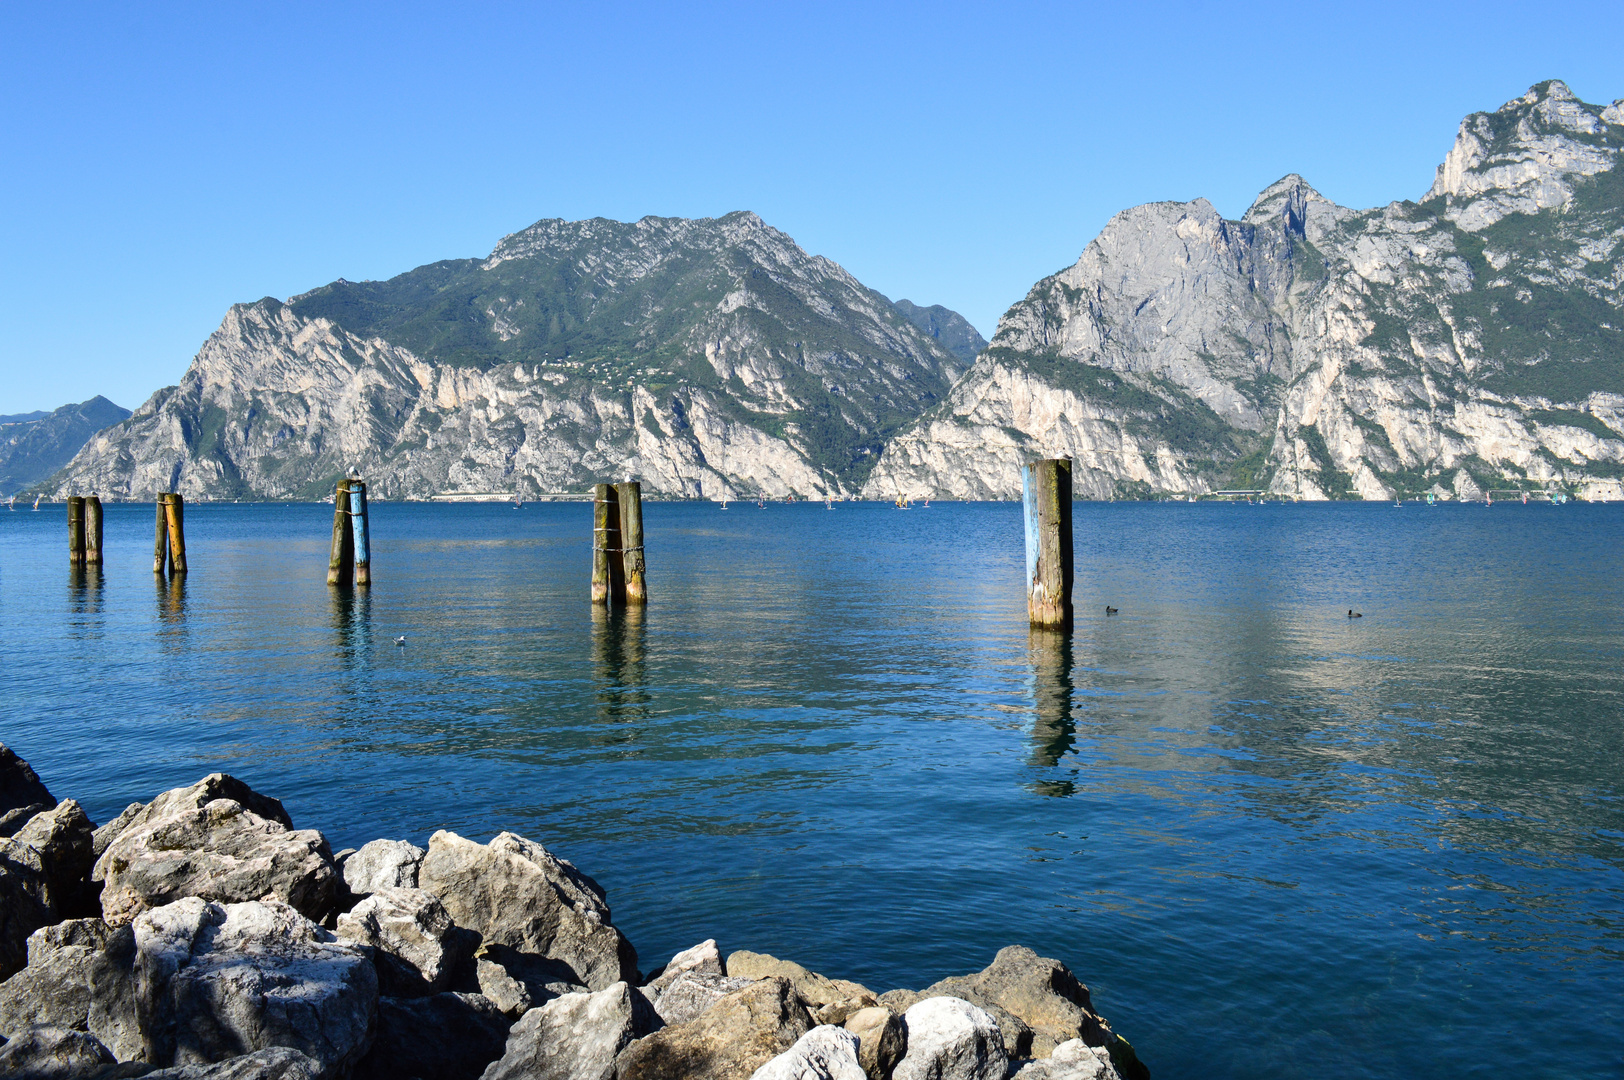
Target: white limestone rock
point(1071, 1060)
point(382, 864)
point(824, 1053)
point(573, 1037)
point(414, 943)
point(951, 1039)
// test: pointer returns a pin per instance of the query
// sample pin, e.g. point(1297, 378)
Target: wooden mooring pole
point(608, 572)
point(76, 530)
point(160, 542)
point(340, 563)
point(1046, 499)
point(631, 540)
point(93, 530)
point(358, 532)
point(175, 514)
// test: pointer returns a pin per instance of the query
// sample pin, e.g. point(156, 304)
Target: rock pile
point(201, 936)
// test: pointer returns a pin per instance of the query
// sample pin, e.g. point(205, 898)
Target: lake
point(1273, 840)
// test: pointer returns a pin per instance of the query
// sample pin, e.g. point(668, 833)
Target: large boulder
point(514, 892)
point(1042, 994)
point(216, 981)
point(272, 1063)
point(382, 864)
point(52, 1053)
point(22, 794)
point(824, 1053)
point(813, 988)
point(1072, 1060)
point(106, 834)
point(734, 1038)
point(222, 851)
point(951, 1039)
point(63, 836)
point(574, 1037)
point(693, 993)
point(443, 1037)
point(881, 1040)
point(413, 941)
point(25, 902)
point(80, 976)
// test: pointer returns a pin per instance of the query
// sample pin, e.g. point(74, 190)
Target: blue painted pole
point(358, 522)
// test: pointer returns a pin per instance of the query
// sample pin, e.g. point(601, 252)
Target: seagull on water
point(401, 640)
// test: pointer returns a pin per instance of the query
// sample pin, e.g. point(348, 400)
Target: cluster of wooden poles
point(617, 545)
point(84, 530)
point(351, 560)
point(618, 565)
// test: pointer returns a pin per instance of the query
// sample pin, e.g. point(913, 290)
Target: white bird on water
point(401, 640)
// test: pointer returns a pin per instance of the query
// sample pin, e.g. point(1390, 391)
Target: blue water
point(1275, 842)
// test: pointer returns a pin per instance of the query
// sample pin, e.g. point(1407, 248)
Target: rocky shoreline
point(200, 935)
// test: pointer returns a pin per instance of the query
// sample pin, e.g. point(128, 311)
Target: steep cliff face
point(708, 357)
point(1470, 341)
point(35, 445)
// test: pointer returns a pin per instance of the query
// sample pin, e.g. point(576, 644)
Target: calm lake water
point(1275, 842)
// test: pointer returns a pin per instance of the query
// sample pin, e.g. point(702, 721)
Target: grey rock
point(443, 1037)
point(415, 945)
point(574, 1037)
point(16, 818)
point(1040, 994)
point(514, 892)
point(1071, 1060)
point(219, 851)
point(734, 1038)
point(20, 787)
point(951, 1039)
point(33, 449)
point(271, 1063)
point(813, 988)
point(518, 982)
point(63, 836)
point(52, 1053)
point(881, 1039)
point(704, 958)
point(109, 832)
point(692, 993)
point(218, 980)
point(25, 902)
point(54, 989)
point(383, 864)
point(824, 1053)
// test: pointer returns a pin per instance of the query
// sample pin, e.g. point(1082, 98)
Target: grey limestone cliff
point(35, 445)
point(706, 357)
point(1474, 339)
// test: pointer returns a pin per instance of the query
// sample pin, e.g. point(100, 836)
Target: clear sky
point(162, 161)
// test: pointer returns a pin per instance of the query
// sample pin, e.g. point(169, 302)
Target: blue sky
point(161, 162)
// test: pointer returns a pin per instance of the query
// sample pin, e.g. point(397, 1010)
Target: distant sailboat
point(37, 498)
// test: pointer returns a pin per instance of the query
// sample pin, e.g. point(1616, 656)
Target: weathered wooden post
point(339, 568)
point(93, 530)
point(631, 540)
point(174, 511)
point(608, 573)
point(76, 530)
point(358, 530)
point(1046, 499)
point(160, 543)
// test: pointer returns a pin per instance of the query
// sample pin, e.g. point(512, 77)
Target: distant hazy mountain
point(950, 329)
point(35, 445)
point(1472, 340)
point(708, 357)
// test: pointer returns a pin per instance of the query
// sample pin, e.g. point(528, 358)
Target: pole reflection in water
point(1054, 731)
point(171, 608)
point(85, 599)
point(352, 618)
point(619, 643)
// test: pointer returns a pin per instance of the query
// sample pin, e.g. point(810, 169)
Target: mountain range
point(1468, 340)
point(35, 445)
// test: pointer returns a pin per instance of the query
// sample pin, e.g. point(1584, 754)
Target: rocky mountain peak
point(1525, 156)
point(1287, 202)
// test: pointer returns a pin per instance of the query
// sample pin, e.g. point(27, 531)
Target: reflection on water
point(1054, 731)
point(1276, 842)
point(619, 642)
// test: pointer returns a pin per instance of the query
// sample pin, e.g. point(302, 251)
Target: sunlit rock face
point(707, 357)
point(1475, 337)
